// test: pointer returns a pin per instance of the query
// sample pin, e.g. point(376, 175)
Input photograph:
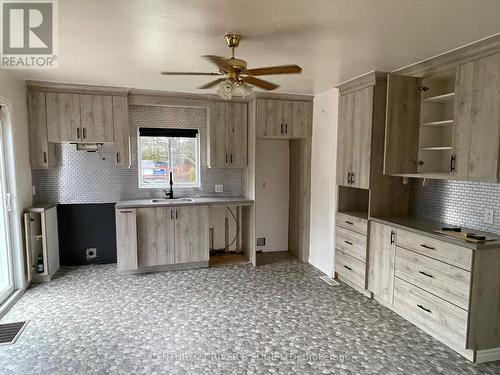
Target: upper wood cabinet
point(287, 119)
point(63, 117)
point(477, 124)
point(228, 135)
point(354, 138)
point(96, 113)
point(42, 153)
point(445, 125)
point(121, 132)
point(73, 117)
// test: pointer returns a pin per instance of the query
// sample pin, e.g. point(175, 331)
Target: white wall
point(272, 189)
point(323, 191)
point(13, 91)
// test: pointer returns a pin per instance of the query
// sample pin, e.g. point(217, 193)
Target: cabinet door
point(156, 236)
point(345, 137)
point(301, 120)
point(63, 117)
point(191, 234)
point(96, 118)
point(269, 118)
point(216, 145)
point(361, 138)
point(126, 239)
point(477, 123)
point(402, 124)
point(42, 153)
point(381, 260)
point(121, 132)
point(237, 135)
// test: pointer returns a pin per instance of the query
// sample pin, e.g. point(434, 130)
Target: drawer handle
point(126, 212)
point(428, 247)
point(349, 268)
point(349, 243)
point(349, 222)
point(426, 274)
point(423, 308)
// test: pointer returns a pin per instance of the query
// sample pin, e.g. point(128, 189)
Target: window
point(161, 151)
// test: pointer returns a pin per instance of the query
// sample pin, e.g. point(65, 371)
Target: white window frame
point(177, 185)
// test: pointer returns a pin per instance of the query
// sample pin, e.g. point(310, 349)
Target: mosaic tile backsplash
point(83, 177)
point(457, 202)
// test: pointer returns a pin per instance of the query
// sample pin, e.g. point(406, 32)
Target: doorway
point(6, 269)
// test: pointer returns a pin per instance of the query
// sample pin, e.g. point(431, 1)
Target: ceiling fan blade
point(212, 84)
point(221, 62)
point(190, 74)
point(269, 70)
point(260, 83)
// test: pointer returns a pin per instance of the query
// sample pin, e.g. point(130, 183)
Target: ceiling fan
point(235, 75)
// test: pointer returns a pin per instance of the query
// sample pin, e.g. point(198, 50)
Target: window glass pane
point(160, 155)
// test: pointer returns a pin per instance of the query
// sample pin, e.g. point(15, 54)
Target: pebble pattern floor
point(277, 319)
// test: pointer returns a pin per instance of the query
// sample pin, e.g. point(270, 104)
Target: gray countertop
point(427, 228)
point(202, 201)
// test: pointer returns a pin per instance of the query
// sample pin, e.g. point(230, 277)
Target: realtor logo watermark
point(29, 34)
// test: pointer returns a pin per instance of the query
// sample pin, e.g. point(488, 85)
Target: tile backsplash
point(83, 177)
point(457, 202)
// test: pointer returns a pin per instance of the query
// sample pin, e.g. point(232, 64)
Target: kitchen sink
point(172, 201)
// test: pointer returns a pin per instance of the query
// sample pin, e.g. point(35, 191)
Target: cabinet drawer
point(355, 223)
point(351, 269)
point(445, 281)
point(452, 254)
point(351, 243)
point(431, 313)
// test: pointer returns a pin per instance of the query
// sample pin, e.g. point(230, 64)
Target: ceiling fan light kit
point(238, 79)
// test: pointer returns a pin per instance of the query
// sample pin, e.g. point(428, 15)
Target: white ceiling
point(128, 42)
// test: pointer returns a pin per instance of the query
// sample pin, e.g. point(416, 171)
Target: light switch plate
point(488, 216)
point(219, 188)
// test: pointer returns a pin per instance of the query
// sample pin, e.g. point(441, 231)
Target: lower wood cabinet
point(381, 258)
point(161, 236)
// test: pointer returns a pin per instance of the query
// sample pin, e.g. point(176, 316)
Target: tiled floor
point(278, 318)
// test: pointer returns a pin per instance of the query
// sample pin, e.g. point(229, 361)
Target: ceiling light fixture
point(228, 88)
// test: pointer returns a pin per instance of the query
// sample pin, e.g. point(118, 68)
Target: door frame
point(7, 197)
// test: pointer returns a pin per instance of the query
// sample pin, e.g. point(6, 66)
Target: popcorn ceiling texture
point(457, 202)
point(83, 177)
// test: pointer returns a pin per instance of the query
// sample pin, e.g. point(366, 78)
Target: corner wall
point(323, 191)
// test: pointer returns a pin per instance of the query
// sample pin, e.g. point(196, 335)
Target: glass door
point(6, 274)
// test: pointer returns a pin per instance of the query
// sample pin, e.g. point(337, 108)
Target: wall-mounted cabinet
point(228, 135)
point(360, 151)
point(445, 125)
point(76, 115)
point(286, 119)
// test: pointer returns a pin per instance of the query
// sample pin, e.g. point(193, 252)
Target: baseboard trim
point(327, 272)
point(487, 355)
point(10, 301)
point(365, 292)
point(168, 267)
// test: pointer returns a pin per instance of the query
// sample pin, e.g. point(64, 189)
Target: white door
point(6, 275)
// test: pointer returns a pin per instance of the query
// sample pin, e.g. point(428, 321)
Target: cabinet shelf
point(440, 148)
point(438, 123)
point(445, 98)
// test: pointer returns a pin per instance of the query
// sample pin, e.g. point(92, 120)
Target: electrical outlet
point(488, 216)
point(261, 241)
point(91, 253)
point(219, 188)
